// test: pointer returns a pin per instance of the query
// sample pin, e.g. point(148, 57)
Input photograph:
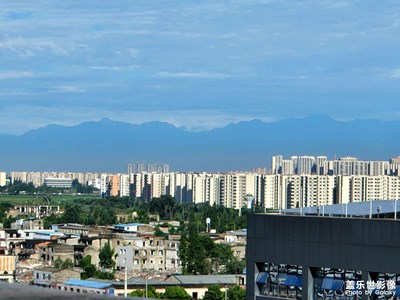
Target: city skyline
point(197, 65)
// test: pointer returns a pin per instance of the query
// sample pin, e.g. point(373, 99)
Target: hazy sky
point(198, 64)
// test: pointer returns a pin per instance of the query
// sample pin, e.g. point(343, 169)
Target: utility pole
point(126, 282)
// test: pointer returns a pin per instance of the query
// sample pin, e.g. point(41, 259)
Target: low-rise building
point(49, 276)
point(86, 287)
point(49, 252)
point(197, 285)
point(151, 254)
point(8, 265)
point(134, 228)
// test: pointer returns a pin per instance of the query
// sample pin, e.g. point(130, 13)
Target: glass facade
point(280, 280)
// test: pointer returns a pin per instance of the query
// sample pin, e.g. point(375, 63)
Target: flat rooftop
point(374, 208)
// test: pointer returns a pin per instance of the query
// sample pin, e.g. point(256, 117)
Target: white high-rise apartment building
point(273, 192)
point(277, 164)
point(393, 187)
point(321, 165)
point(305, 165)
point(378, 168)
point(206, 188)
point(287, 167)
point(235, 187)
point(308, 190)
point(124, 186)
point(3, 178)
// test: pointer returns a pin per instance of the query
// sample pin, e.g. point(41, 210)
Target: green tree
point(158, 232)
point(89, 269)
point(221, 256)
point(175, 292)
point(72, 213)
point(235, 266)
point(103, 275)
point(106, 256)
point(58, 263)
point(214, 293)
point(4, 208)
point(236, 293)
point(197, 262)
point(50, 220)
point(67, 264)
point(151, 293)
point(183, 252)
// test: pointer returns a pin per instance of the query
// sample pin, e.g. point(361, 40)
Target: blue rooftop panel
point(89, 284)
point(128, 225)
point(46, 232)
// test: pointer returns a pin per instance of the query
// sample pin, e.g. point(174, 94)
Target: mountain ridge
point(108, 145)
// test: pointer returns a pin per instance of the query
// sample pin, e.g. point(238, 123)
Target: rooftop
point(48, 269)
point(374, 208)
point(87, 283)
point(128, 224)
point(206, 279)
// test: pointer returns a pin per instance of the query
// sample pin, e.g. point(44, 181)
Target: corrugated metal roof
point(128, 224)
point(207, 279)
point(87, 283)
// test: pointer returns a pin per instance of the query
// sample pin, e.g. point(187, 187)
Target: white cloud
point(31, 47)
point(15, 74)
point(113, 68)
point(67, 89)
point(211, 75)
point(395, 73)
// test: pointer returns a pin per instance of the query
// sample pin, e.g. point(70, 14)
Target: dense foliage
point(106, 256)
point(200, 255)
point(173, 292)
point(89, 270)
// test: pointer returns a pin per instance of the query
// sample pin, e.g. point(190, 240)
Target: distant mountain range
point(108, 146)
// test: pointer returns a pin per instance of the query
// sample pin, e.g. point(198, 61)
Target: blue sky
point(197, 64)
